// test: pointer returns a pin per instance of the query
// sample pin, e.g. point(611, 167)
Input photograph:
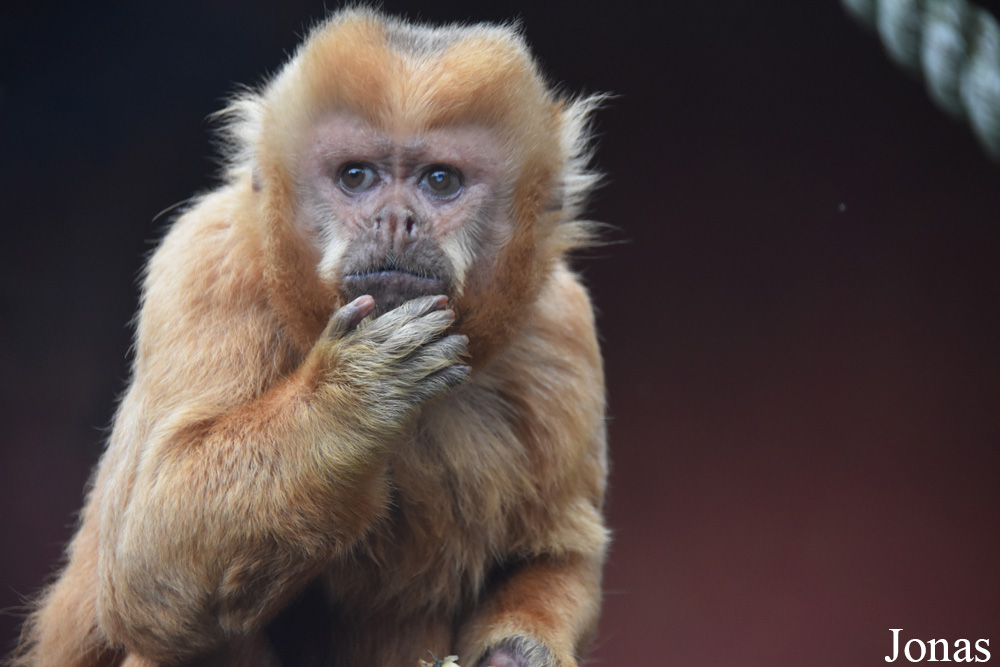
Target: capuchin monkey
point(366, 417)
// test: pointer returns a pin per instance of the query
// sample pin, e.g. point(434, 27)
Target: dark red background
point(800, 323)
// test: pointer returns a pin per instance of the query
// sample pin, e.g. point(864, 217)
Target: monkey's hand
point(542, 615)
point(394, 363)
point(518, 652)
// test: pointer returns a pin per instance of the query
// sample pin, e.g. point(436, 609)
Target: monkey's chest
point(413, 559)
point(448, 524)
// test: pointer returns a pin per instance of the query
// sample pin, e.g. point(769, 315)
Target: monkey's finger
point(439, 356)
point(422, 305)
point(454, 347)
point(418, 333)
point(348, 317)
point(388, 325)
point(442, 380)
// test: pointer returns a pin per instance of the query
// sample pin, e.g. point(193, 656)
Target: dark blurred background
point(800, 321)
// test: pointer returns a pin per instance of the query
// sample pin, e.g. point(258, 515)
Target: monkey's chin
point(390, 288)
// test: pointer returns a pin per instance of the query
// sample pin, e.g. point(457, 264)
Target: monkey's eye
point(356, 177)
point(441, 181)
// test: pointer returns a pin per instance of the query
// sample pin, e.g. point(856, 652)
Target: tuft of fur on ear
point(578, 179)
point(240, 123)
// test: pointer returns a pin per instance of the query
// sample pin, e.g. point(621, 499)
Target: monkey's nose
point(396, 221)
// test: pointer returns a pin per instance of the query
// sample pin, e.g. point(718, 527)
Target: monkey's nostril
point(410, 224)
point(378, 224)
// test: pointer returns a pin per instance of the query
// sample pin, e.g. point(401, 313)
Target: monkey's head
point(399, 160)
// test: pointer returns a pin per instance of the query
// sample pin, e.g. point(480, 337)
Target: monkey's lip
point(391, 287)
point(389, 277)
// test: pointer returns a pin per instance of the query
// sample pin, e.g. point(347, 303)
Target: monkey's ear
point(239, 128)
point(577, 179)
point(577, 143)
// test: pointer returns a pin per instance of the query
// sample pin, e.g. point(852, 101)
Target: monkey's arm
point(228, 481)
point(545, 611)
point(543, 614)
point(216, 521)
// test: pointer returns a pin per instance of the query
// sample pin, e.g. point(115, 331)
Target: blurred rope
point(953, 46)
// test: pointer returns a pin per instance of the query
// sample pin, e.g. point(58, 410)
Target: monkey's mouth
point(391, 286)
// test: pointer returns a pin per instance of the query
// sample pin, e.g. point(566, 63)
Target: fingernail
point(363, 304)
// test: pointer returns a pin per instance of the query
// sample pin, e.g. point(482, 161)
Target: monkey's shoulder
point(205, 319)
point(207, 262)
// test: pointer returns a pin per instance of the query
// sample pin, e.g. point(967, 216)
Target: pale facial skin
point(399, 214)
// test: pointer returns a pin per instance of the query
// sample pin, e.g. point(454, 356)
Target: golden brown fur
point(264, 448)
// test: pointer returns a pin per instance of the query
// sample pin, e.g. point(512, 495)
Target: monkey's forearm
point(543, 615)
point(226, 519)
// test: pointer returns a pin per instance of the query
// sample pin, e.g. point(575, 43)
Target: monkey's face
point(399, 214)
